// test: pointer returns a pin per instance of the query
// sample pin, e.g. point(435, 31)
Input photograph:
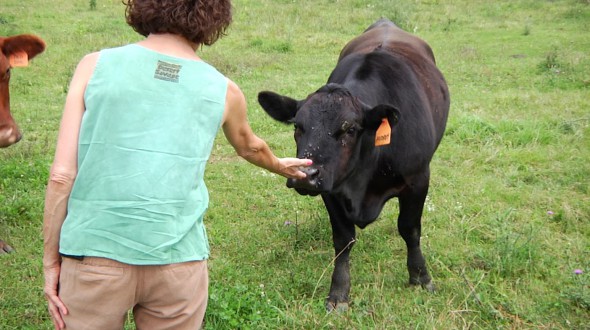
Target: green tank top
point(146, 135)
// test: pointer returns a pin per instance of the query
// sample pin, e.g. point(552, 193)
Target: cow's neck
point(361, 204)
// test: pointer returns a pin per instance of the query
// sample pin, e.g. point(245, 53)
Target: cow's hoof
point(426, 284)
point(429, 287)
point(340, 307)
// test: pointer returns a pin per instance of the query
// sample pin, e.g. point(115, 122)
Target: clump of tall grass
point(550, 63)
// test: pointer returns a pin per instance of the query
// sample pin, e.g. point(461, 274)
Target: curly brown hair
point(199, 21)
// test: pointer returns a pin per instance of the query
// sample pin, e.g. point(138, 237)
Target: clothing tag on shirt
point(18, 59)
point(167, 71)
point(383, 135)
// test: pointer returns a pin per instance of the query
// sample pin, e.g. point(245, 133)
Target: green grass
point(507, 218)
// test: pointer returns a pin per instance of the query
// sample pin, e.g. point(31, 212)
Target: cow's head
point(16, 50)
point(332, 127)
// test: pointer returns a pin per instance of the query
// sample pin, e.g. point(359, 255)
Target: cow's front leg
point(343, 234)
point(411, 204)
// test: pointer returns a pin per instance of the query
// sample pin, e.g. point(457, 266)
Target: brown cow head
point(14, 51)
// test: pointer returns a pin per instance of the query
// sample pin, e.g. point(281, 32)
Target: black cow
point(384, 76)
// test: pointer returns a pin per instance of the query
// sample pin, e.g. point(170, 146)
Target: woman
point(123, 223)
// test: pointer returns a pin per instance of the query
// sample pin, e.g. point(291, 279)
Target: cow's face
point(16, 50)
point(330, 127)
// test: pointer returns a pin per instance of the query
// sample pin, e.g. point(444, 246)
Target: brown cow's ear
point(374, 116)
point(28, 43)
point(279, 107)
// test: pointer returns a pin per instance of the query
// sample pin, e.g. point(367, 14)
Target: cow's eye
point(298, 128)
point(351, 131)
point(297, 131)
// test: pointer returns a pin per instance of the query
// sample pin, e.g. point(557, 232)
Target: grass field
point(507, 219)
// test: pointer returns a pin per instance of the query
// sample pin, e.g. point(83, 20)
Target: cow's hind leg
point(411, 204)
point(343, 234)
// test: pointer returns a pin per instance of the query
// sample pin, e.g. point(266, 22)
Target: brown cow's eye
point(351, 131)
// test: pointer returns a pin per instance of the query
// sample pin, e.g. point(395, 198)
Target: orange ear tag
point(383, 135)
point(19, 59)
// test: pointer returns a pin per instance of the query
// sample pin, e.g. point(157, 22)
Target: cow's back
point(384, 35)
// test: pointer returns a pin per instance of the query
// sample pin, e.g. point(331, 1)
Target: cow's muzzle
point(311, 185)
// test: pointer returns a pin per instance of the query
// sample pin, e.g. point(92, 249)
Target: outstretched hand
point(292, 167)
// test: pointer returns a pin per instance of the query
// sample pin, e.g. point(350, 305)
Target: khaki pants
point(99, 292)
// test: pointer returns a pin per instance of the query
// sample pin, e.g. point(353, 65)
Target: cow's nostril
point(311, 172)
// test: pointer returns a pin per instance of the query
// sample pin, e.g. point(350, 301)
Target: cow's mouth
point(302, 188)
point(305, 186)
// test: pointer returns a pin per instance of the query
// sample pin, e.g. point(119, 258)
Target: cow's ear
point(281, 108)
point(30, 44)
point(374, 116)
